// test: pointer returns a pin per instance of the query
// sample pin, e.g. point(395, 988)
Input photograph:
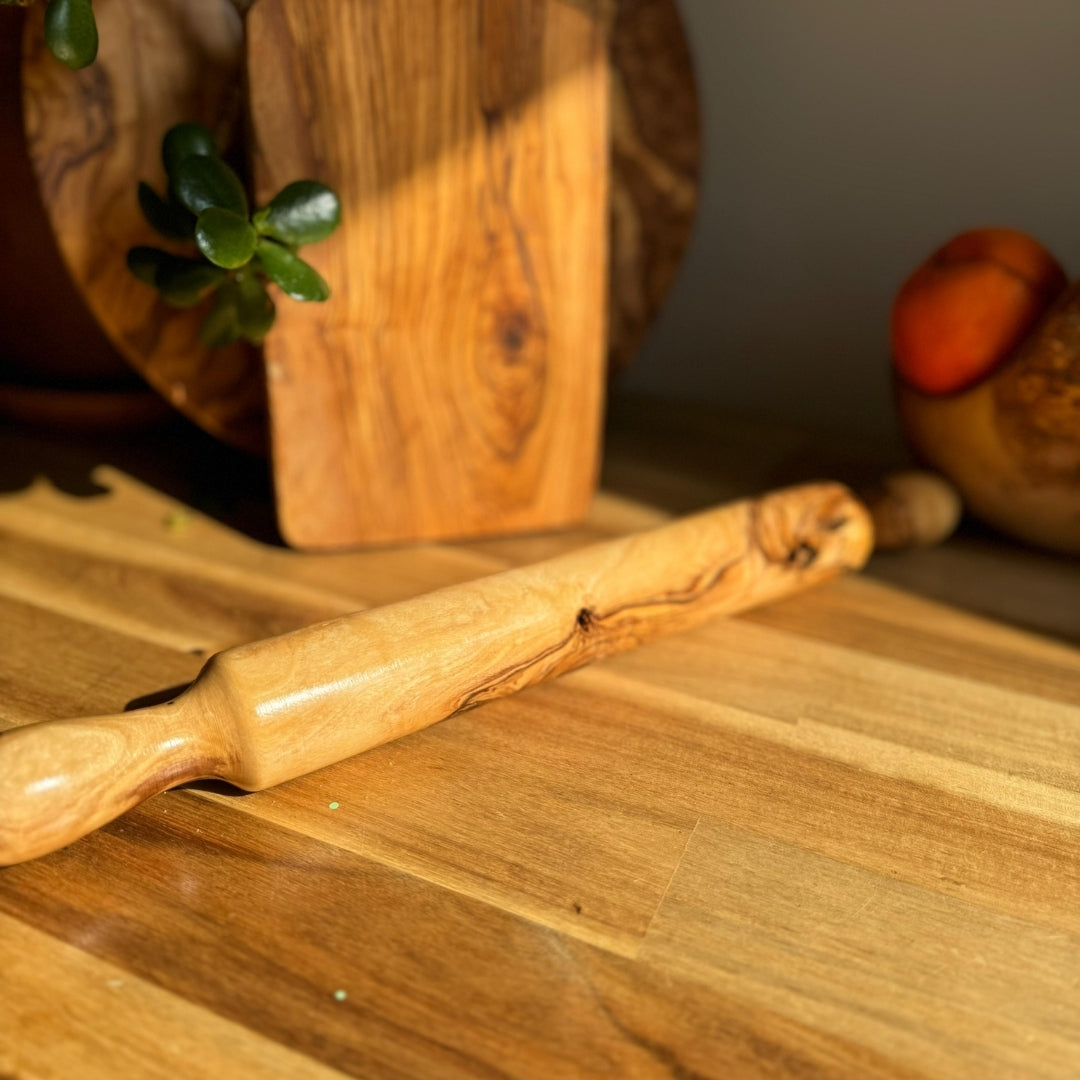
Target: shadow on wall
point(845, 140)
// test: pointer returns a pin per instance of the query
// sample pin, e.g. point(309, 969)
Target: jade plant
point(70, 30)
point(239, 252)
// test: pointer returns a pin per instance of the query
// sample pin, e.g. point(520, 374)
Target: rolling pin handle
point(62, 779)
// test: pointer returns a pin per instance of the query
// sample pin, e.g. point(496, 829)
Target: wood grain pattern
point(836, 838)
point(164, 1035)
point(92, 135)
point(840, 936)
point(453, 386)
point(656, 152)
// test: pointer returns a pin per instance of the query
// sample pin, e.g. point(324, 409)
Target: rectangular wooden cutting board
point(452, 386)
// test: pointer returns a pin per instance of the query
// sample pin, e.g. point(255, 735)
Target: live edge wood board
point(454, 385)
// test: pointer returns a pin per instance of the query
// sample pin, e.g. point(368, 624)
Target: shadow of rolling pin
point(267, 712)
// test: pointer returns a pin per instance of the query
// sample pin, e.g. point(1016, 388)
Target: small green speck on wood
point(340, 995)
point(239, 253)
point(334, 805)
point(176, 521)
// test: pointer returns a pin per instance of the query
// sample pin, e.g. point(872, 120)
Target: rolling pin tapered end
point(62, 779)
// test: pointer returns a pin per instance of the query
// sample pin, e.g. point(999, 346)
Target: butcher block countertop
point(836, 837)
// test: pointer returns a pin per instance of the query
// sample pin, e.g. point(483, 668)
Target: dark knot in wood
point(513, 330)
point(802, 554)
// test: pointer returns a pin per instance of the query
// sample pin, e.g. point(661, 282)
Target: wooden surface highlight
point(453, 385)
point(838, 837)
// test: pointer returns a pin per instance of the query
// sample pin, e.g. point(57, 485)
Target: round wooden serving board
point(93, 134)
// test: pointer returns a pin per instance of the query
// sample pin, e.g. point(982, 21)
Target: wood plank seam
point(667, 888)
point(1020, 794)
point(89, 539)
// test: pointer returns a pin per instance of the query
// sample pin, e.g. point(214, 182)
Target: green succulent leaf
point(200, 182)
point(172, 220)
point(225, 238)
point(303, 212)
point(184, 282)
point(287, 270)
point(143, 262)
point(186, 140)
point(206, 202)
point(71, 32)
point(222, 323)
point(256, 309)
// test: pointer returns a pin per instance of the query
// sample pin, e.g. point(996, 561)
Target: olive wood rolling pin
point(267, 712)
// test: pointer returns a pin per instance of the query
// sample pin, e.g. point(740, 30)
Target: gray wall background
point(845, 140)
